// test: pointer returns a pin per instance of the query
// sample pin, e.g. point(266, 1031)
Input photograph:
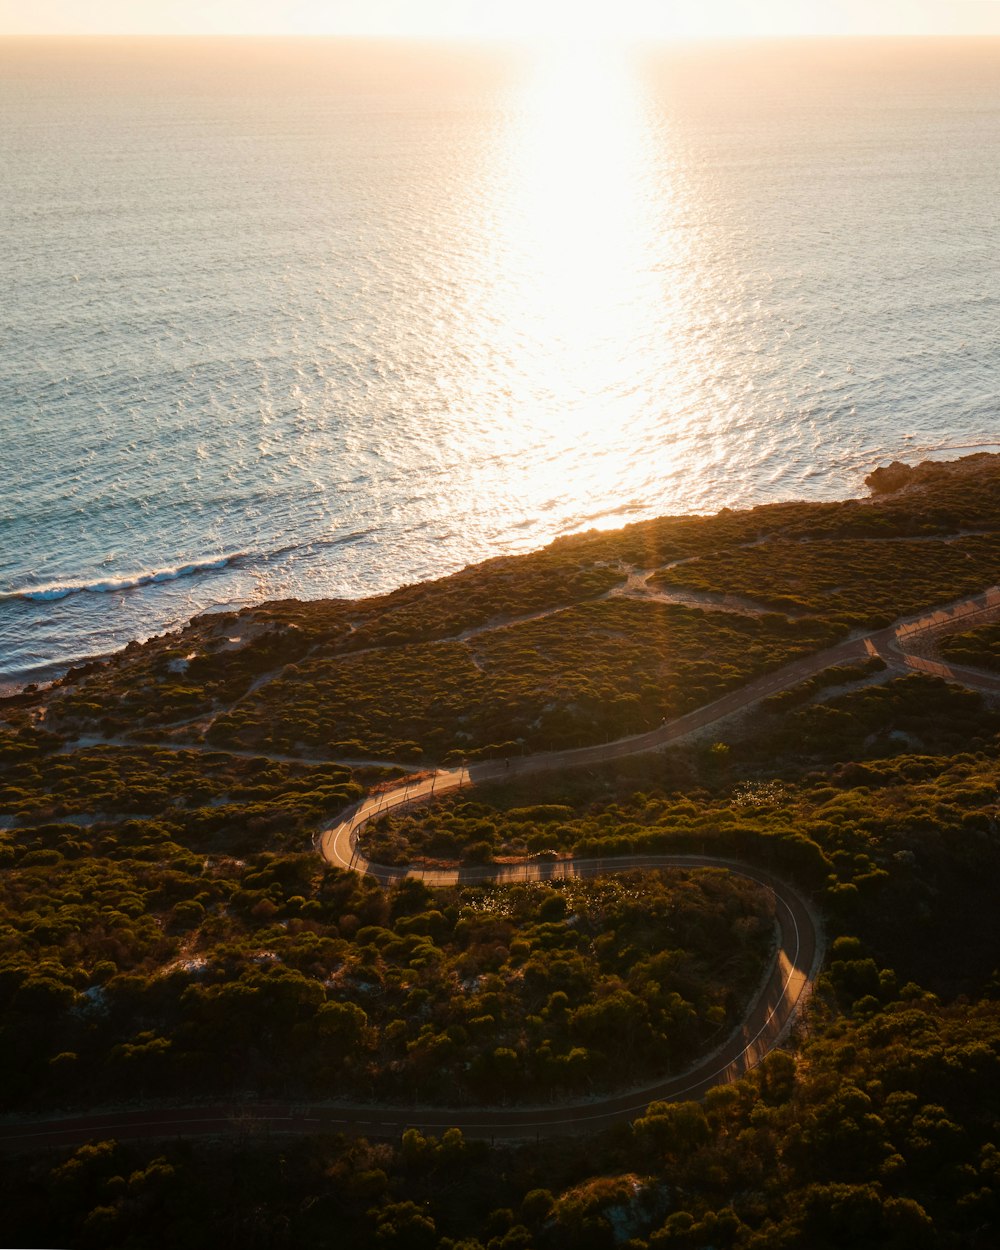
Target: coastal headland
point(551, 845)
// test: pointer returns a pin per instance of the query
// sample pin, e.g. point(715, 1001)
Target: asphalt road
point(770, 1015)
point(772, 1010)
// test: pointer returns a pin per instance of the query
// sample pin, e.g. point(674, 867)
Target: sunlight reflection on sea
point(311, 318)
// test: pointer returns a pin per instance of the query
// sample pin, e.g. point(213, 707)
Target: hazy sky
point(500, 17)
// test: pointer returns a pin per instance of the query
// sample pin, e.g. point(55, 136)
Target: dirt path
point(207, 748)
point(905, 646)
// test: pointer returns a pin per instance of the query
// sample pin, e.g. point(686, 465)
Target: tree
point(404, 1226)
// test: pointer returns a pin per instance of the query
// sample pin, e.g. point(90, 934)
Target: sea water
point(307, 318)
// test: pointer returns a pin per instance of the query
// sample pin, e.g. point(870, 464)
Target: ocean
point(312, 318)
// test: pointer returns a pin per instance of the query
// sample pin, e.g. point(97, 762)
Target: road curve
point(795, 963)
point(792, 968)
point(891, 644)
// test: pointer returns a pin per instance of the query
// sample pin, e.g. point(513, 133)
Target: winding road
point(339, 843)
point(790, 973)
point(797, 957)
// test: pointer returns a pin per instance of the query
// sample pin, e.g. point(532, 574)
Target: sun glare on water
point(578, 216)
point(573, 281)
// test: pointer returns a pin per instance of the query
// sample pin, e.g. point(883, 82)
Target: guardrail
point(962, 614)
point(395, 800)
point(934, 667)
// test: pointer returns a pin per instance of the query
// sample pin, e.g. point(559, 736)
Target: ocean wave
point(106, 586)
point(311, 545)
point(54, 591)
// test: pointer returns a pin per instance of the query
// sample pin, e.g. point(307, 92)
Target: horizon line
point(389, 37)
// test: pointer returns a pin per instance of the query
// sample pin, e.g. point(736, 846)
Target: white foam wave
point(55, 591)
point(62, 590)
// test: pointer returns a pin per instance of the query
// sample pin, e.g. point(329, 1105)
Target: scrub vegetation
point(168, 932)
point(979, 648)
point(133, 968)
point(452, 666)
point(580, 675)
point(852, 583)
point(205, 799)
point(880, 1133)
